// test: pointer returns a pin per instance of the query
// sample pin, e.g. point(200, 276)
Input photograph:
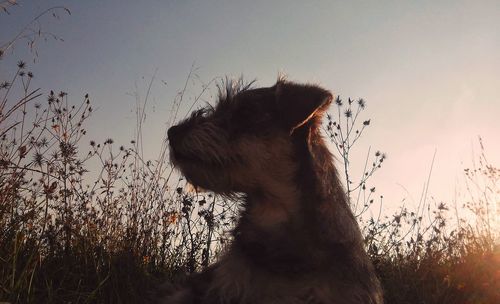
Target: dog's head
point(246, 140)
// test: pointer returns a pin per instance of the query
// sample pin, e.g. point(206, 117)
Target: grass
point(111, 235)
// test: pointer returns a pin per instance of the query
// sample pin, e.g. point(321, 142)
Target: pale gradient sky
point(429, 70)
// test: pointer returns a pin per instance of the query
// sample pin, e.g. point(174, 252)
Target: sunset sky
point(428, 70)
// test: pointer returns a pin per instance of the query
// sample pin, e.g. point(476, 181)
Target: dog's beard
point(206, 177)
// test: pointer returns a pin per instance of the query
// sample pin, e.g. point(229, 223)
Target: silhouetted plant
point(31, 32)
point(56, 217)
point(344, 128)
point(72, 234)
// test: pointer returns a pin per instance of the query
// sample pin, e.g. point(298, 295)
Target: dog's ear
point(298, 104)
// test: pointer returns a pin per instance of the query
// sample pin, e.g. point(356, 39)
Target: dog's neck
point(273, 206)
point(300, 215)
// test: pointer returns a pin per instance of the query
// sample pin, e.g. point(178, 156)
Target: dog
point(296, 240)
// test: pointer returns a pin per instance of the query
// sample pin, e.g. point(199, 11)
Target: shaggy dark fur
point(297, 240)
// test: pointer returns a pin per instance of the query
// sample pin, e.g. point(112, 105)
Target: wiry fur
point(296, 241)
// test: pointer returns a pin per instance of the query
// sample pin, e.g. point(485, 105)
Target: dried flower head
point(348, 113)
point(5, 85)
point(338, 101)
point(361, 103)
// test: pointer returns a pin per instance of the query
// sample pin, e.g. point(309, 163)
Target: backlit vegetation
point(95, 222)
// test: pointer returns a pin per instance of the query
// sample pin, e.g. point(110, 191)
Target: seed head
point(338, 101)
point(361, 103)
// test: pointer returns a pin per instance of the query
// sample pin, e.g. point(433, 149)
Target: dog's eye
point(250, 121)
point(252, 111)
point(248, 113)
point(244, 111)
point(265, 116)
point(198, 113)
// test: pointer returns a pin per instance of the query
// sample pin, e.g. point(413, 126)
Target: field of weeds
point(95, 222)
point(110, 236)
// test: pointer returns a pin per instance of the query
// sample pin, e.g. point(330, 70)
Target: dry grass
point(109, 236)
point(70, 235)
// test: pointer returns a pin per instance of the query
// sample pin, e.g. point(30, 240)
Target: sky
point(428, 70)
